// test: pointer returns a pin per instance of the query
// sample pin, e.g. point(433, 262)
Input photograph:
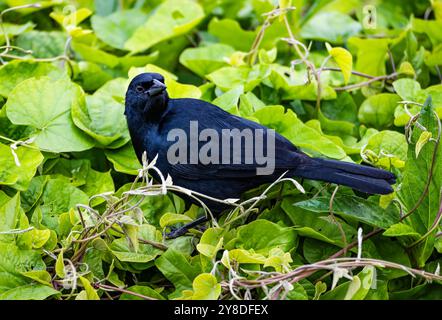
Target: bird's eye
point(139, 89)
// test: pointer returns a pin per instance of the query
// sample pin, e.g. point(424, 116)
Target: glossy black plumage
point(151, 115)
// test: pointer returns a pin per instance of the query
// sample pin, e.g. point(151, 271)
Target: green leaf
point(116, 29)
point(154, 207)
point(92, 76)
point(267, 57)
point(410, 90)
point(205, 60)
point(299, 134)
point(9, 217)
point(12, 30)
point(124, 159)
point(177, 269)
point(319, 27)
point(75, 170)
point(124, 251)
point(170, 219)
point(44, 44)
point(320, 288)
point(407, 89)
point(371, 55)
point(94, 54)
point(206, 287)
point(143, 290)
point(224, 29)
point(297, 293)
point(279, 260)
point(386, 149)
point(249, 104)
point(59, 197)
point(14, 263)
point(378, 111)
point(18, 175)
point(229, 100)
point(415, 180)
point(316, 225)
point(45, 105)
point(339, 116)
point(314, 248)
point(228, 78)
point(438, 245)
point(263, 235)
point(15, 72)
point(400, 230)
point(294, 86)
point(101, 115)
point(40, 276)
point(354, 207)
point(241, 256)
point(171, 19)
point(211, 242)
point(98, 183)
point(29, 292)
point(433, 59)
point(430, 27)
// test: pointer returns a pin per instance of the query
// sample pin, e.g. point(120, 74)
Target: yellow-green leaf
point(206, 287)
point(407, 69)
point(72, 19)
point(40, 237)
point(59, 265)
point(40, 276)
point(344, 60)
point(170, 219)
point(89, 293)
point(423, 139)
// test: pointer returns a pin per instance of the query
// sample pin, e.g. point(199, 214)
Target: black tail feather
point(362, 178)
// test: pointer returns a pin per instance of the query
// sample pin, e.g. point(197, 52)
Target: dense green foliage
point(352, 80)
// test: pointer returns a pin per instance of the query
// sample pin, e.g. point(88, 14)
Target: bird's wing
point(182, 111)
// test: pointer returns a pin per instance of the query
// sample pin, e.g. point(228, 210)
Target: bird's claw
point(175, 233)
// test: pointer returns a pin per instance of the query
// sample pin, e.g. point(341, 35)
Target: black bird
point(152, 115)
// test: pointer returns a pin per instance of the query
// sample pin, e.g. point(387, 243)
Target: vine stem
point(332, 215)
point(154, 244)
point(430, 172)
point(356, 73)
point(310, 66)
point(367, 83)
point(431, 230)
point(271, 16)
point(112, 288)
point(2, 27)
point(305, 271)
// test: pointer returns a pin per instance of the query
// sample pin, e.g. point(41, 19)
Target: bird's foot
point(175, 233)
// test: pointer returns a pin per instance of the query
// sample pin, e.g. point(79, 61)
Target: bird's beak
point(157, 88)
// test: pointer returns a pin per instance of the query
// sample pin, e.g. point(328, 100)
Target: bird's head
point(146, 94)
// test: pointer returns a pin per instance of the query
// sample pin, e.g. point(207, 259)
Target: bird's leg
point(183, 230)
